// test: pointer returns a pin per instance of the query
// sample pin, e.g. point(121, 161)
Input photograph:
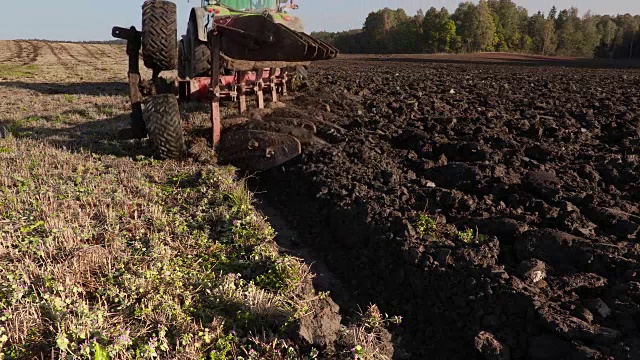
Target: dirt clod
point(490, 348)
point(321, 329)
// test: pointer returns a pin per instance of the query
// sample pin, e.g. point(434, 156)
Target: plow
point(233, 50)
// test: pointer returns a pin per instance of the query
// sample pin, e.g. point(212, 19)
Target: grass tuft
point(17, 71)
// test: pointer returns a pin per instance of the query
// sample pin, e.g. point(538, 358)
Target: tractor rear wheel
point(164, 126)
point(200, 53)
point(201, 59)
point(181, 63)
point(159, 29)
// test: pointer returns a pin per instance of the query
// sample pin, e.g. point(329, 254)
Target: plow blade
point(320, 49)
point(256, 150)
point(256, 38)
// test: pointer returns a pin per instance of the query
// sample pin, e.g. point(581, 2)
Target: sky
point(81, 20)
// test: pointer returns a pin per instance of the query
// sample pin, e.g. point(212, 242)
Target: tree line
point(492, 25)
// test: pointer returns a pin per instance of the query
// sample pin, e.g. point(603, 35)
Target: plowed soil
point(493, 204)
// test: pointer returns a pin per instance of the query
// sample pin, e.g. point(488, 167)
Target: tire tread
point(164, 126)
point(159, 40)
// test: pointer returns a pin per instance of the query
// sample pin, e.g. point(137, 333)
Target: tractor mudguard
point(199, 16)
point(292, 22)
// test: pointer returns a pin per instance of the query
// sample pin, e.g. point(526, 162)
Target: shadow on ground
point(82, 88)
point(106, 137)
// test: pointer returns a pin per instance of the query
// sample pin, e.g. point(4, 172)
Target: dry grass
point(107, 253)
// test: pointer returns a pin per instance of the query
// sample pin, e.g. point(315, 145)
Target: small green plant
point(426, 225)
point(69, 98)
point(29, 228)
point(370, 327)
point(223, 347)
point(5, 150)
point(466, 236)
point(469, 236)
point(374, 319)
point(29, 119)
point(100, 353)
point(3, 338)
point(105, 110)
point(60, 118)
point(358, 352)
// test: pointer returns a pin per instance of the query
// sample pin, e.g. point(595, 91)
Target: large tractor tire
point(201, 60)
point(199, 55)
point(159, 40)
point(181, 63)
point(164, 126)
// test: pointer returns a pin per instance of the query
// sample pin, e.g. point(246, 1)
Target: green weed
point(105, 110)
point(281, 276)
point(29, 119)
point(17, 71)
point(466, 236)
point(370, 327)
point(60, 118)
point(426, 225)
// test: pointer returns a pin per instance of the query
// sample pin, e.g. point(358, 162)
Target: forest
point(493, 25)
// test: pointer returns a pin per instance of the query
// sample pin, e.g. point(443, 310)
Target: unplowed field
point(72, 95)
point(491, 201)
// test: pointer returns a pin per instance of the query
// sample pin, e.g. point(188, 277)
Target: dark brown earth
point(540, 159)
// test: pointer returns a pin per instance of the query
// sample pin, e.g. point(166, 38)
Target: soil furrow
point(33, 53)
point(55, 53)
point(19, 49)
point(103, 53)
point(65, 50)
point(90, 51)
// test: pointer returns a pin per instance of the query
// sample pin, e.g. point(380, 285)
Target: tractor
point(233, 49)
